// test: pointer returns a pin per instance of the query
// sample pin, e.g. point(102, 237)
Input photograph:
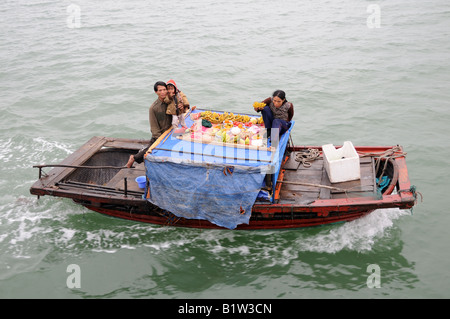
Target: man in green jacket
point(159, 121)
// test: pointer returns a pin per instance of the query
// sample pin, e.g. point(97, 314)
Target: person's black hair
point(159, 83)
point(280, 93)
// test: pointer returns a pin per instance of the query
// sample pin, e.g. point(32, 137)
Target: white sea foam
point(21, 153)
point(358, 235)
point(47, 146)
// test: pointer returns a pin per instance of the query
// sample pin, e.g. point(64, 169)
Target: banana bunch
point(242, 118)
point(213, 117)
point(258, 106)
point(228, 116)
point(216, 118)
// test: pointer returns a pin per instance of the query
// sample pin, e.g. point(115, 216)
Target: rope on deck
point(307, 157)
point(394, 152)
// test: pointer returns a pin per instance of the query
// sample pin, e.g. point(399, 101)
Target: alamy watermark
point(74, 279)
point(213, 149)
point(374, 279)
point(374, 19)
point(74, 16)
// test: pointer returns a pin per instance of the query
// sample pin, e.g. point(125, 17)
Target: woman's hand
point(258, 106)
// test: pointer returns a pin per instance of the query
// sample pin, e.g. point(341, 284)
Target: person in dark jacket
point(278, 113)
point(159, 121)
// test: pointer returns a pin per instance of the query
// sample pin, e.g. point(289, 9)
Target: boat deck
point(287, 193)
point(118, 181)
point(290, 191)
point(115, 152)
point(73, 174)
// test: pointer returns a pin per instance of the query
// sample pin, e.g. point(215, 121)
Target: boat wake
point(25, 223)
point(36, 234)
point(275, 247)
point(24, 152)
point(359, 235)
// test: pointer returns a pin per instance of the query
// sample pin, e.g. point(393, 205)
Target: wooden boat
point(95, 177)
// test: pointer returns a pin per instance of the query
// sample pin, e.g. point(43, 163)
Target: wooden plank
point(297, 198)
point(127, 144)
point(368, 195)
point(325, 193)
point(361, 187)
point(300, 188)
point(365, 160)
point(291, 163)
point(302, 193)
point(298, 183)
point(117, 181)
point(364, 187)
point(374, 177)
point(305, 172)
point(317, 175)
point(315, 165)
point(76, 158)
point(160, 139)
point(364, 184)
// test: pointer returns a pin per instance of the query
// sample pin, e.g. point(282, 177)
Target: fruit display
point(229, 128)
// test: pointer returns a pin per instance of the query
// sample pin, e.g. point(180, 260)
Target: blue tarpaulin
point(208, 181)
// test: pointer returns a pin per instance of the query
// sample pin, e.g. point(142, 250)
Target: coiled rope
point(391, 153)
point(307, 157)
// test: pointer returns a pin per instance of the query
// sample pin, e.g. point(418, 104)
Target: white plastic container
point(341, 164)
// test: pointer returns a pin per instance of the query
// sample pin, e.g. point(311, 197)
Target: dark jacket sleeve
point(291, 112)
point(267, 101)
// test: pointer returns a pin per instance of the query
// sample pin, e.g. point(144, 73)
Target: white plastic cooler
point(341, 164)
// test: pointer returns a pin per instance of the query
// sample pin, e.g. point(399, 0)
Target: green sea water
point(371, 72)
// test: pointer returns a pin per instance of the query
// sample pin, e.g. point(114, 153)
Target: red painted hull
point(274, 216)
point(253, 225)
